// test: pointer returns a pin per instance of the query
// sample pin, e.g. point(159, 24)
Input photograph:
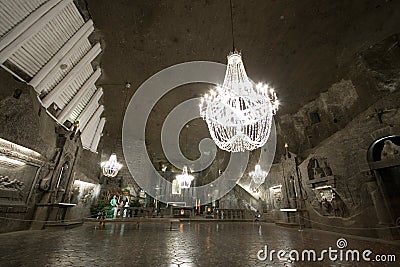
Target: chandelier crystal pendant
point(239, 114)
point(258, 175)
point(184, 179)
point(111, 167)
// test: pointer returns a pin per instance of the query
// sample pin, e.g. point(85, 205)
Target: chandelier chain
point(233, 37)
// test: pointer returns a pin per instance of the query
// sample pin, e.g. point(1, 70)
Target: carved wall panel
point(16, 183)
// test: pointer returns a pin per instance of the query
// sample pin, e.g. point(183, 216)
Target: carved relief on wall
point(320, 173)
point(328, 203)
point(16, 183)
point(390, 151)
point(11, 188)
point(84, 193)
point(318, 168)
point(13, 185)
point(322, 182)
point(275, 194)
point(19, 169)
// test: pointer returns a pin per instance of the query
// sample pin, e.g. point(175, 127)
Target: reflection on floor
point(188, 244)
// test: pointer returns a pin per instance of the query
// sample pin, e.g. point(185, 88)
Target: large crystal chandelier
point(111, 167)
point(184, 179)
point(258, 175)
point(239, 113)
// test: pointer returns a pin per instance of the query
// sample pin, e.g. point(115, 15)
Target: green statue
point(113, 203)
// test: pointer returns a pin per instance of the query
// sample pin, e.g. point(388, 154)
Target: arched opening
point(375, 150)
point(62, 181)
point(384, 159)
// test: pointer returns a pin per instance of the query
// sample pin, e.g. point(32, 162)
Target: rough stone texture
point(239, 198)
point(373, 73)
point(88, 166)
point(381, 60)
point(320, 118)
point(25, 122)
point(346, 152)
point(9, 85)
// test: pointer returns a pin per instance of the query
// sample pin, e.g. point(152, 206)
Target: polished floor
point(187, 244)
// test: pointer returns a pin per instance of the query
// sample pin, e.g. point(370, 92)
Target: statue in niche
point(277, 202)
point(328, 203)
point(390, 151)
point(254, 189)
point(74, 196)
point(87, 195)
point(314, 169)
point(318, 168)
point(276, 197)
point(325, 167)
point(339, 208)
point(324, 197)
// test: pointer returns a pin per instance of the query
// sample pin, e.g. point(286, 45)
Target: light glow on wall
point(85, 187)
point(4, 160)
point(18, 148)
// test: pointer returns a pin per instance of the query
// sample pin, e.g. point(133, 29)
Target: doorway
point(384, 160)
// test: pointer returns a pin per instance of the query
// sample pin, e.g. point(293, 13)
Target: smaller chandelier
point(111, 167)
point(184, 179)
point(258, 175)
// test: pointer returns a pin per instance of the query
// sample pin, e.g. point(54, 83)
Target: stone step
point(287, 224)
point(63, 225)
